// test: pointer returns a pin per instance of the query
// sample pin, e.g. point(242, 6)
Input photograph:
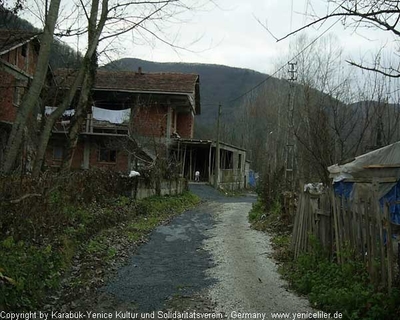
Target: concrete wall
point(167, 188)
point(232, 179)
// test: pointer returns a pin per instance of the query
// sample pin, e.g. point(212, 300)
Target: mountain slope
point(218, 83)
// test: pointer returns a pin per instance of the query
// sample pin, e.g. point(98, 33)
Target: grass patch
point(344, 288)
point(329, 287)
point(93, 238)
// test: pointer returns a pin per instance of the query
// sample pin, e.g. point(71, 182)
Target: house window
point(18, 92)
point(58, 153)
point(107, 155)
point(24, 50)
point(240, 161)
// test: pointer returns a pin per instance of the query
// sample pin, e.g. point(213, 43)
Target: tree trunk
point(92, 46)
point(83, 103)
point(80, 113)
point(33, 94)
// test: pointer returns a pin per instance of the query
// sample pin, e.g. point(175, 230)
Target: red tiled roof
point(133, 81)
point(13, 38)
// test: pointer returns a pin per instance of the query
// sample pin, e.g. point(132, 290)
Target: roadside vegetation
point(65, 234)
point(329, 286)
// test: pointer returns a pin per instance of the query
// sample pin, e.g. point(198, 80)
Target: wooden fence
point(357, 229)
point(312, 217)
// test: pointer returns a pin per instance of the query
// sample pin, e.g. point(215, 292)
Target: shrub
point(34, 270)
point(71, 219)
point(344, 288)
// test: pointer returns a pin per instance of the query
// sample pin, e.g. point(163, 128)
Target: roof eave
point(18, 45)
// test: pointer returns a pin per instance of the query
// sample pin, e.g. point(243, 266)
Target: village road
point(211, 251)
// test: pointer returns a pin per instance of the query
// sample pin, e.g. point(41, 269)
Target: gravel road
point(206, 259)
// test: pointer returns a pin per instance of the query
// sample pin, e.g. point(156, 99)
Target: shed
point(377, 171)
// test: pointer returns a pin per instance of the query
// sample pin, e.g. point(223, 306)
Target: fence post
point(389, 247)
point(336, 222)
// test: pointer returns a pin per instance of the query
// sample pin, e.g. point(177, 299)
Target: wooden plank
point(345, 225)
point(184, 162)
point(368, 237)
point(381, 245)
point(301, 224)
point(373, 236)
point(303, 228)
point(336, 225)
point(358, 224)
point(370, 180)
point(382, 166)
point(350, 225)
point(297, 234)
point(209, 166)
point(363, 230)
point(190, 165)
point(296, 222)
point(389, 247)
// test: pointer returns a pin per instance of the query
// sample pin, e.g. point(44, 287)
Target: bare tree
point(32, 96)
point(379, 15)
point(105, 22)
point(116, 19)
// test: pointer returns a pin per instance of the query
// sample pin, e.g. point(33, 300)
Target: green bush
point(256, 212)
point(33, 271)
point(344, 288)
point(40, 248)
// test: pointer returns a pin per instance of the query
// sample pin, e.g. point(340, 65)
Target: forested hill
point(218, 83)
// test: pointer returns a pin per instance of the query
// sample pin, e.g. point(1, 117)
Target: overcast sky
point(228, 33)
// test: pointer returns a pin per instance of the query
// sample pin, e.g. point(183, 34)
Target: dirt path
point(207, 259)
point(247, 278)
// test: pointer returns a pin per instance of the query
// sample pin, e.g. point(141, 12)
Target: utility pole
point(217, 153)
point(290, 149)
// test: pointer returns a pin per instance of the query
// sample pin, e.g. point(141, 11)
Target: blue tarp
point(392, 196)
point(252, 179)
point(345, 188)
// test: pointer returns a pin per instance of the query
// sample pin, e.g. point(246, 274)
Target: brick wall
point(150, 121)
point(26, 63)
point(121, 163)
point(8, 82)
point(185, 125)
point(8, 110)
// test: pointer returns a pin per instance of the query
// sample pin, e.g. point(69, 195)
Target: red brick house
point(151, 108)
point(18, 59)
point(130, 109)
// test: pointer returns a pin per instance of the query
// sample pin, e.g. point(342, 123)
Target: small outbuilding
point(377, 171)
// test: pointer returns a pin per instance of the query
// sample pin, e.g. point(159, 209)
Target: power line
point(291, 16)
point(284, 65)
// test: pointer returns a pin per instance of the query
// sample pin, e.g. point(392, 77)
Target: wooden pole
point(209, 163)
point(389, 247)
point(217, 156)
point(190, 165)
point(184, 162)
point(336, 224)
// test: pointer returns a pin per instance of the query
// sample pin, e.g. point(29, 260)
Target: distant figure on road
point(197, 176)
